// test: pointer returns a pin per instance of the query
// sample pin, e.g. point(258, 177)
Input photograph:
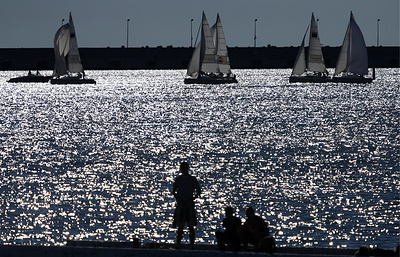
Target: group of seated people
point(254, 231)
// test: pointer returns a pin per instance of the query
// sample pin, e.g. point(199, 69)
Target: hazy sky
point(102, 23)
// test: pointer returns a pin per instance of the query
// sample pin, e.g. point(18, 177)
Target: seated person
point(254, 229)
point(230, 237)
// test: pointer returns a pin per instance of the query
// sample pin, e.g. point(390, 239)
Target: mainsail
point(315, 59)
point(353, 57)
point(66, 51)
point(221, 49)
point(203, 59)
point(74, 60)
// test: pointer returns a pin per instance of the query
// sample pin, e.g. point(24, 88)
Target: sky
point(103, 23)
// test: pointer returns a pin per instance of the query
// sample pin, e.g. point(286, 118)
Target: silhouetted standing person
point(186, 188)
point(230, 236)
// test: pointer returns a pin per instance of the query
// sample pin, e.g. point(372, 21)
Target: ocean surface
point(320, 162)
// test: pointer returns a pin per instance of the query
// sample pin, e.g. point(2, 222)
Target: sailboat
point(352, 63)
point(310, 68)
point(210, 61)
point(30, 77)
point(68, 68)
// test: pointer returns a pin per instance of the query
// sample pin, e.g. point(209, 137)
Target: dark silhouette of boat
point(31, 78)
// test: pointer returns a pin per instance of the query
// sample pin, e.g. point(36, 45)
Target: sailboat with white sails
point(310, 67)
point(210, 61)
point(68, 67)
point(352, 63)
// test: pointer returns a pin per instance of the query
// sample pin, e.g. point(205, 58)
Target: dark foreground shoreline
point(136, 58)
point(123, 249)
point(200, 251)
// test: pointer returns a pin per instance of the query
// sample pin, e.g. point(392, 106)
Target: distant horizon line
point(171, 46)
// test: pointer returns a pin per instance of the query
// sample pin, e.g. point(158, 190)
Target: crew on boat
point(218, 75)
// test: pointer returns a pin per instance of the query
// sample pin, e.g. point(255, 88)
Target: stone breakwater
point(178, 58)
point(122, 249)
point(200, 251)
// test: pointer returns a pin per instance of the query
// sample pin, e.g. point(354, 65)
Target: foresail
point(194, 65)
point(315, 58)
point(358, 55)
point(300, 63)
point(341, 63)
point(61, 49)
point(207, 49)
point(74, 60)
point(221, 49)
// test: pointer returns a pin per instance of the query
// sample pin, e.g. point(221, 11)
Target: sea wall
point(178, 57)
point(66, 251)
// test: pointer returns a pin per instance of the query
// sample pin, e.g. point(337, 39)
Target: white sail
point(353, 57)
point(203, 58)
point(194, 65)
point(221, 49)
point(208, 63)
point(358, 61)
point(341, 63)
point(61, 49)
point(315, 60)
point(300, 63)
point(74, 60)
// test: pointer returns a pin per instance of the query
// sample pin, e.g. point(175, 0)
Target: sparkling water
point(320, 162)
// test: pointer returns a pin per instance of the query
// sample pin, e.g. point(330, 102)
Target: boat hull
point(352, 79)
point(31, 78)
point(210, 80)
point(72, 80)
point(305, 79)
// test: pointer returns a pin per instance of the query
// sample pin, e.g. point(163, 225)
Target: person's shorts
point(185, 214)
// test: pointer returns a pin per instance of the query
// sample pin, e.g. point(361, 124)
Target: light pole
point(127, 33)
point(191, 33)
point(255, 32)
point(62, 22)
point(377, 32)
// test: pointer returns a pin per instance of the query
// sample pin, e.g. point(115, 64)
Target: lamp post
point(377, 32)
point(255, 32)
point(62, 22)
point(191, 33)
point(127, 33)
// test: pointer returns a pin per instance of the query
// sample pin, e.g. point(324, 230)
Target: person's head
point(184, 168)
point(249, 212)
point(229, 211)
